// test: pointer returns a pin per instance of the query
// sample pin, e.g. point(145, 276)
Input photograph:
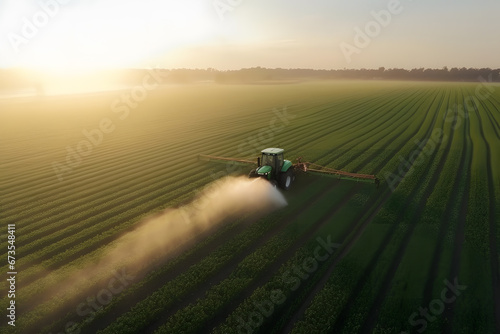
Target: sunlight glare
point(116, 34)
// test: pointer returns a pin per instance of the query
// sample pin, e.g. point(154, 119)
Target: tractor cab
point(273, 158)
point(273, 167)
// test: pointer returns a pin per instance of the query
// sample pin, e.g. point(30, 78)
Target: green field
point(419, 253)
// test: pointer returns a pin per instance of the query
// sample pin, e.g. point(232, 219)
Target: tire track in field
point(343, 315)
point(356, 155)
point(385, 196)
point(264, 276)
point(390, 140)
point(297, 315)
point(323, 124)
point(379, 128)
point(352, 236)
point(494, 98)
point(348, 106)
point(341, 124)
point(384, 162)
point(449, 312)
point(492, 226)
point(340, 321)
point(350, 144)
point(445, 223)
point(326, 125)
point(369, 322)
point(492, 119)
point(330, 156)
point(348, 101)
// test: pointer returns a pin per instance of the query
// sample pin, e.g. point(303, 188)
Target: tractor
point(273, 167)
point(280, 172)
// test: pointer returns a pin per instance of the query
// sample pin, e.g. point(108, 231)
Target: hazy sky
point(230, 34)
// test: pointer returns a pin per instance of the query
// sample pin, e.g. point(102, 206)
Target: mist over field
point(114, 210)
point(222, 201)
point(110, 202)
point(151, 243)
point(265, 167)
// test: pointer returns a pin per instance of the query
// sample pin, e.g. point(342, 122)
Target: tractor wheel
point(286, 179)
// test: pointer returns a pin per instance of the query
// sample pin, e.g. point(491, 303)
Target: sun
point(110, 34)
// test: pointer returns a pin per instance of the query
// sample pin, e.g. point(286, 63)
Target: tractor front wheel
point(286, 179)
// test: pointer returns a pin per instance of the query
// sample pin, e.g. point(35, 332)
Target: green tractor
point(273, 167)
point(280, 172)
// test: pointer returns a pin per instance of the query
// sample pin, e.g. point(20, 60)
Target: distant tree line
point(16, 79)
point(257, 74)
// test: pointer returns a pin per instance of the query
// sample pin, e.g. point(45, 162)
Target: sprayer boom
point(340, 174)
point(284, 170)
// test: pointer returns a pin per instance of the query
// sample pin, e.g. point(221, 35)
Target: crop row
point(116, 223)
point(436, 203)
point(385, 138)
point(365, 123)
point(475, 263)
point(371, 132)
point(381, 226)
point(428, 221)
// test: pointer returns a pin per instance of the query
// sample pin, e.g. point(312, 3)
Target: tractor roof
point(273, 151)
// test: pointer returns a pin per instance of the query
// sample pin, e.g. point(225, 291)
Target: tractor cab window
point(267, 160)
point(280, 161)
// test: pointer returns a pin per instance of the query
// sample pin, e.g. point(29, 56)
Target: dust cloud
point(157, 237)
point(223, 200)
